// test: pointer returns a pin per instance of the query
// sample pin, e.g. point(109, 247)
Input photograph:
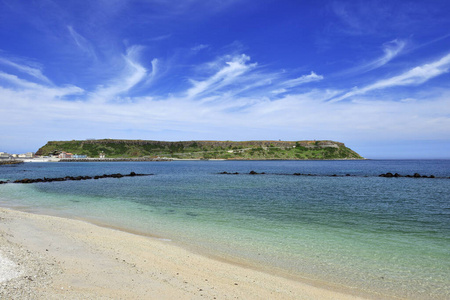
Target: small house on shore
point(65, 155)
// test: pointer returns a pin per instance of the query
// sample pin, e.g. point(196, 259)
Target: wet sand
point(45, 257)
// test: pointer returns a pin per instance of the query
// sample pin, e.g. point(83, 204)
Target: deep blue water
point(385, 235)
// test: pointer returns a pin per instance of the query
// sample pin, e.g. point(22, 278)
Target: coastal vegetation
point(249, 150)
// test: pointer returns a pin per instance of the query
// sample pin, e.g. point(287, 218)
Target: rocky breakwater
point(73, 178)
point(388, 175)
point(415, 175)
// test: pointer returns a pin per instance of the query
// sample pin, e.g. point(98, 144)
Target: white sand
point(78, 260)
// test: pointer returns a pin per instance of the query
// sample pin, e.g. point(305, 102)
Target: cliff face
point(204, 149)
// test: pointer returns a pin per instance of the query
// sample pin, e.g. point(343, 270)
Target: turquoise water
point(383, 235)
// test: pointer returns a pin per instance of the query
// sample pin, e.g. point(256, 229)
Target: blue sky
point(371, 74)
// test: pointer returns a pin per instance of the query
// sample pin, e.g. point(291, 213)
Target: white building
point(4, 155)
point(30, 154)
point(26, 155)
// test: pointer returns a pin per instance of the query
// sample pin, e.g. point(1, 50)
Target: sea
point(341, 225)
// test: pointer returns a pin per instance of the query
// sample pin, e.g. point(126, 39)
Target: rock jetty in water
point(415, 175)
point(73, 178)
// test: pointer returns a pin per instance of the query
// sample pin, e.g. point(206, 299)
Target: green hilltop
point(251, 150)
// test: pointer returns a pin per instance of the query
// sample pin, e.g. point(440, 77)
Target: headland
point(201, 150)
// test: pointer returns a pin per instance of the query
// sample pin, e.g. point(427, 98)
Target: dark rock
point(416, 175)
point(45, 179)
point(389, 174)
point(253, 173)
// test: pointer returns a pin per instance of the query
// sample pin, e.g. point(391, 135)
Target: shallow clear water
point(385, 235)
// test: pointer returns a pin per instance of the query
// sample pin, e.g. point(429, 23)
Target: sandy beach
point(45, 257)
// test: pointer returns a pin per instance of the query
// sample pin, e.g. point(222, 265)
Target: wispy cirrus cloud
point(31, 71)
point(288, 85)
point(414, 76)
point(160, 38)
point(152, 76)
point(82, 42)
point(391, 50)
point(216, 105)
point(235, 75)
point(226, 76)
point(302, 79)
point(305, 115)
point(28, 86)
point(199, 47)
point(131, 75)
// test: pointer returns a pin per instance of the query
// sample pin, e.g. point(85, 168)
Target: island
point(202, 150)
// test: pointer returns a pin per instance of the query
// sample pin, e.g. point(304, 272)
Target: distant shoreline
point(193, 150)
point(144, 159)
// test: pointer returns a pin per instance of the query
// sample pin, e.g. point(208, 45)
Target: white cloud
point(199, 47)
point(279, 91)
point(303, 79)
point(48, 91)
point(154, 72)
point(415, 76)
point(160, 38)
point(216, 107)
point(82, 42)
point(227, 75)
point(132, 74)
point(34, 72)
point(390, 49)
point(302, 116)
